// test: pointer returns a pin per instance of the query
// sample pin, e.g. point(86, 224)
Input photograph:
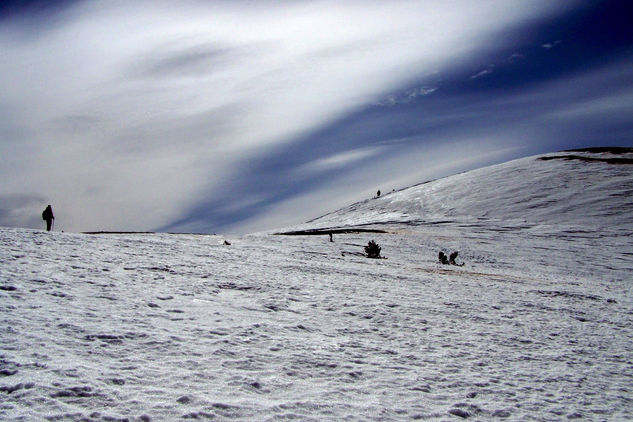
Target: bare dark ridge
point(319, 232)
point(617, 160)
point(124, 232)
point(597, 150)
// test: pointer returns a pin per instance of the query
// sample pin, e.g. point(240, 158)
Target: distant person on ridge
point(48, 216)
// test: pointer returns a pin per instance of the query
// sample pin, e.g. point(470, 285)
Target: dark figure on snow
point(442, 257)
point(331, 238)
point(451, 259)
point(48, 216)
point(378, 194)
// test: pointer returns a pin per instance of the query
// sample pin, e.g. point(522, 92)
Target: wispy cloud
point(550, 45)
point(343, 159)
point(408, 96)
point(515, 57)
point(484, 72)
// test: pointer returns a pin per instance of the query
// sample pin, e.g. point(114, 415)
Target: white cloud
point(421, 91)
point(514, 57)
point(124, 114)
point(617, 105)
point(482, 73)
point(343, 159)
point(408, 96)
point(551, 45)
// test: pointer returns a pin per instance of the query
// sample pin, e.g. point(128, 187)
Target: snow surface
point(537, 324)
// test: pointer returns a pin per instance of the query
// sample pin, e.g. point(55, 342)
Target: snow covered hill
point(536, 325)
point(586, 189)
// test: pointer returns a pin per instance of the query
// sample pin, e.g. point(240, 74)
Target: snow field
point(161, 327)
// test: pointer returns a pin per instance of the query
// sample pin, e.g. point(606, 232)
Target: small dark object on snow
point(331, 238)
point(372, 250)
point(226, 242)
point(378, 194)
point(446, 260)
point(451, 259)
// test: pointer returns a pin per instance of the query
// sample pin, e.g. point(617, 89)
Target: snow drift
point(537, 324)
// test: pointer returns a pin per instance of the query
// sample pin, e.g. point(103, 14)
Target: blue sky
point(238, 116)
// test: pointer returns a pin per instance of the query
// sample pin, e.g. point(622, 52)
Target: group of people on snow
point(449, 260)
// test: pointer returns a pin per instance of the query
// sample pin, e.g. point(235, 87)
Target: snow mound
point(588, 189)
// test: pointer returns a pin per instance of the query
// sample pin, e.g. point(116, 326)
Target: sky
point(241, 116)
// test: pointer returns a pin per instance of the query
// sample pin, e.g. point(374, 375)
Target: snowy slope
point(537, 324)
point(580, 189)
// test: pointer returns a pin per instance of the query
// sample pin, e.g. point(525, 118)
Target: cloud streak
point(341, 160)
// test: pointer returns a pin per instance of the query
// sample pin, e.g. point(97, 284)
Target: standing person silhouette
point(48, 216)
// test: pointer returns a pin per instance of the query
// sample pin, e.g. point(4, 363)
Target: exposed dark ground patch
point(141, 232)
point(320, 232)
point(599, 150)
point(613, 160)
point(595, 150)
